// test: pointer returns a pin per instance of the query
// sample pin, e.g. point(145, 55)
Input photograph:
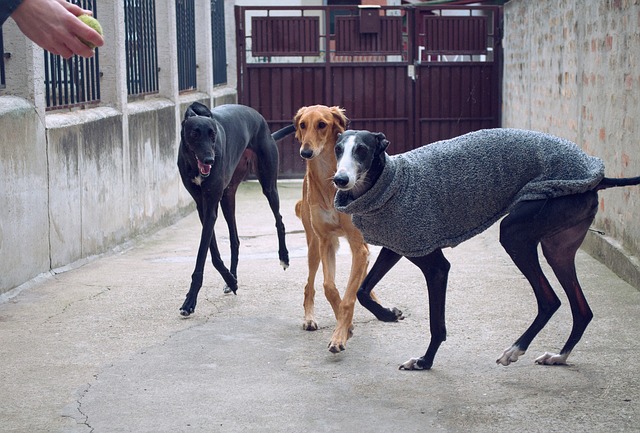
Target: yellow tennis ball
point(94, 24)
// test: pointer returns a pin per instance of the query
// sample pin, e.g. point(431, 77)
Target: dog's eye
point(339, 150)
point(361, 152)
point(322, 125)
point(302, 125)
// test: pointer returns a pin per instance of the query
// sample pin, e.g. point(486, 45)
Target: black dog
point(215, 149)
point(416, 203)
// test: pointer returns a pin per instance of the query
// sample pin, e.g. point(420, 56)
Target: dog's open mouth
point(205, 169)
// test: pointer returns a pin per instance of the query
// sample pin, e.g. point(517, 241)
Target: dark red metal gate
point(418, 74)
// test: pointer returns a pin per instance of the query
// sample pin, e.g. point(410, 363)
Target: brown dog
point(317, 129)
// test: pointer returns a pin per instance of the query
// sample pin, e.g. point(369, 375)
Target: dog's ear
point(197, 109)
point(189, 113)
point(382, 143)
point(296, 122)
point(341, 119)
point(200, 109)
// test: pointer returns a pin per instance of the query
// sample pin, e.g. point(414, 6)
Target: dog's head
point(199, 135)
point(318, 126)
point(357, 152)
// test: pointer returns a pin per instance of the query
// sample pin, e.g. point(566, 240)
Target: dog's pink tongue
point(205, 169)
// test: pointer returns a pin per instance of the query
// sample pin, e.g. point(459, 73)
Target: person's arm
point(53, 25)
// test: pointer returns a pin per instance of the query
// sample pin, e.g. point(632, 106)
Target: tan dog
point(317, 129)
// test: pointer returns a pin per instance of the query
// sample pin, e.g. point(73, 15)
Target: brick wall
point(572, 68)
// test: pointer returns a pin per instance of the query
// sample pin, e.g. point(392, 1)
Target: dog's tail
point(608, 182)
point(281, 133)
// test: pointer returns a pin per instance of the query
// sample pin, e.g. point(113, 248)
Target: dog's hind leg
point(386, 260)
point(267, 168)
point(231, 282)
point(521, 232)
point(435, 268)
point(228, 206)
point(520, 239)
point(560, 251)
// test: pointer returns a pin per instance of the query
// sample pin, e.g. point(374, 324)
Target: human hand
point(52, 24)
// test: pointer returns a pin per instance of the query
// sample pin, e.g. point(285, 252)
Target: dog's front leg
point(313, 259)
point(435, 268)
point(386, 260)
point(208, 218)
point(359, 264)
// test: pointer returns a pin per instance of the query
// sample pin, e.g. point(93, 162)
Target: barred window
point(73, 82)
point(186, 40)
point(219, 42)
point(3, 82)
point(141, 46)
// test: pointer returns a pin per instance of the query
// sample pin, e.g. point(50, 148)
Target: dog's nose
point(306, 153)
point(341, 180)
point(208, 160)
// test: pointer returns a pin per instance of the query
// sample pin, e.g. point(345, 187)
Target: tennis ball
point(94, 24)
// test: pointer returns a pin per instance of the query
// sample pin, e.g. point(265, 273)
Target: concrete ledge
point(14, 106)
point(613, 255)
point(150, 104)
point(80, 117)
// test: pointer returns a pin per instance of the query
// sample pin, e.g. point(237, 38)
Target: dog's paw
point(336, 347)
point(188, 307)
point(510, 355)
point(389, 315)
point(552, 359)
point(310, 325)
point(186, 312)
point(339, 339)
point(397, 313)
point(228, 289)
point(414, 364)
point(284, 259)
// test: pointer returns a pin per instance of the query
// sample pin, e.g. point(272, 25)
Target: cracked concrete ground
point(102, 348)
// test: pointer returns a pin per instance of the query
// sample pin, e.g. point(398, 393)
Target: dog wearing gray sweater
point(417, 203)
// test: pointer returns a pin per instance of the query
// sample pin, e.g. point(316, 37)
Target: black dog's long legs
point(267, 166)
point(386, 260)
point(230, 280)
point(435, 268)
point(274, 203)
point(560, 224)
point(228, 205)
point(520, 234)
point(208, 218)
point(560, 251)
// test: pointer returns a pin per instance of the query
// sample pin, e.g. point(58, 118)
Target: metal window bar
point(141, 47)
point(218, 42)
point(186, 40)
point(3, 82)
point(74, 82)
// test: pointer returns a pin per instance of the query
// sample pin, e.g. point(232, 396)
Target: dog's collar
point(376, 197)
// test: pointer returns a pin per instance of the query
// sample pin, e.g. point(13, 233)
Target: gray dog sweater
point(444, 193)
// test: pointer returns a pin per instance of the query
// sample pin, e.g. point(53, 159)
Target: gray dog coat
point(444, 193)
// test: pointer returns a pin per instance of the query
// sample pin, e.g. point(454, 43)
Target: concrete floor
point(102, 348)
